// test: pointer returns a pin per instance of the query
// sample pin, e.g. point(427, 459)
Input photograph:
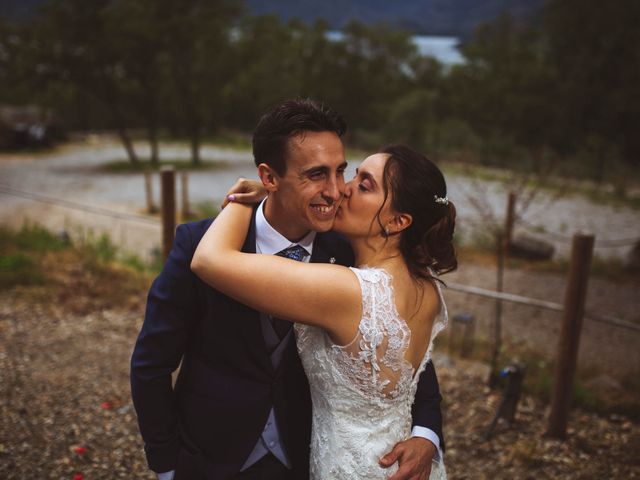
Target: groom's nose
point(334, 188)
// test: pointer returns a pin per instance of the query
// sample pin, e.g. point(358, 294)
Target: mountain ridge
point(457, 18)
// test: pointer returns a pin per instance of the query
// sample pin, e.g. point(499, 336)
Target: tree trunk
point(600, 165)
point(128, 144)
point(111, 99)
point(153, 143)
point(195, 145)
point(151, 112)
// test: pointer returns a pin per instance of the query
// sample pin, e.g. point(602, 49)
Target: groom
point(240, 407)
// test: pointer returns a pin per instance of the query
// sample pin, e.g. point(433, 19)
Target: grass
point(33, 256)
point(21, 252)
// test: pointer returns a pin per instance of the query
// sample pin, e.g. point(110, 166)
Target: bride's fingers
point(251, 197)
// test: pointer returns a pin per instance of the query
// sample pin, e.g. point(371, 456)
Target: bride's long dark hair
point(415, 182)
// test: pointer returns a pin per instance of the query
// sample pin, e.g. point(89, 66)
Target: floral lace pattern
point(362, 392)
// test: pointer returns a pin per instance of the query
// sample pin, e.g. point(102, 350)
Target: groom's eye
point(316, 174)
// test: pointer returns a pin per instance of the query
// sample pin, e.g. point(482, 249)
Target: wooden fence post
point(509, 221)
point(148, 190)
point(168, 209)
point(186, 211)
point(574, 300)
point(497, 324)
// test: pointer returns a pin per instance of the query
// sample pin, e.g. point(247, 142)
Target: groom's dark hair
point(286, 120)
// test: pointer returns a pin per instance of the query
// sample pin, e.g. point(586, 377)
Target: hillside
point(434, 17)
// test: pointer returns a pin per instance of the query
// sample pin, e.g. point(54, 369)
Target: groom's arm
point(158, 351)
point(426, 413)
point(414, 456)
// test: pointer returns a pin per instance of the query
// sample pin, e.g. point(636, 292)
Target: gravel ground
point(65, 408)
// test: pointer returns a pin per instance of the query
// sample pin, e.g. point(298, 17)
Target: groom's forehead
point(309, 148)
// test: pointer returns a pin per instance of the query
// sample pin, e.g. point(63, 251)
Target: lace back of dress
point(382, 337)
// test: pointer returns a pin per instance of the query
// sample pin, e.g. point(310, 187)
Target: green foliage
point(24, 255)
point(134, 262)
point(31, 238)
point(18, 269)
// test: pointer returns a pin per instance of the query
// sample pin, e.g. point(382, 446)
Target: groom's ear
point(268, 177)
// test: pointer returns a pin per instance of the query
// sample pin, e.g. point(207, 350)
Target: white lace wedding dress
point(362, 392)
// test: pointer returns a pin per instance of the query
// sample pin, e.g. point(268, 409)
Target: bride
point(364, 334)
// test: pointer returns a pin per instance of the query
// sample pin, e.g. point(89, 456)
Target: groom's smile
point(325, 210)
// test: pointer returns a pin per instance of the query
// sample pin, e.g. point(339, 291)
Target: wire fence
point(556, 307)
point(131, 217)
point(600, 243)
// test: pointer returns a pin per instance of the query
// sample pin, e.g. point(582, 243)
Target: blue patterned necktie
point(295, 252)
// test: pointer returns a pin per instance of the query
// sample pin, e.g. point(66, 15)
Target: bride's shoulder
point(371, 274)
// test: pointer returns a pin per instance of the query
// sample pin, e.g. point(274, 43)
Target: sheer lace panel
point(375, 358)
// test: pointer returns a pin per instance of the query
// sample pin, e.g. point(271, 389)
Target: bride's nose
point(348, 188)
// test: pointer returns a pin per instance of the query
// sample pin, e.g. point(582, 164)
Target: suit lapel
point(252, 327)
point(319, 254)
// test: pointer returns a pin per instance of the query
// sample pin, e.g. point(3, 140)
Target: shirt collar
point(269, 241)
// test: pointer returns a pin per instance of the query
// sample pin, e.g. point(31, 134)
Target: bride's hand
point(245, 191)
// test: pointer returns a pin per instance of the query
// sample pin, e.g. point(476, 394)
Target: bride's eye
point(362, 187)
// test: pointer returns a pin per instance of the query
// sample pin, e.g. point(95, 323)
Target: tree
point(198, 45)
point(595, 48)
point(72, 45)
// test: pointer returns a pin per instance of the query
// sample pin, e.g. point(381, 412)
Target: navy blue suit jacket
point(226, 385)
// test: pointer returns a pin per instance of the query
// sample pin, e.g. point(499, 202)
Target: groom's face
point(312, 186)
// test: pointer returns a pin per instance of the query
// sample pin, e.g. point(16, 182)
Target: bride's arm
point(324, 295)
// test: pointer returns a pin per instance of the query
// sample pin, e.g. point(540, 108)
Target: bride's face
point(363, 197)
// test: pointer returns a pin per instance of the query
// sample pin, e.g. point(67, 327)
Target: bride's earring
point(385, 234)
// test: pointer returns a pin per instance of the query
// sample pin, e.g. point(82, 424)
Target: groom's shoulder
point(195, 230)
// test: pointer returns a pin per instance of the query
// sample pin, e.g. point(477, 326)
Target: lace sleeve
point(375, 357)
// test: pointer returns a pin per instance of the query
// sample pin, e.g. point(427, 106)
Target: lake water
point(443, 49)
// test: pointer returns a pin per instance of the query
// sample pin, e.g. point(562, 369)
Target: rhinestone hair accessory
point(441, 200)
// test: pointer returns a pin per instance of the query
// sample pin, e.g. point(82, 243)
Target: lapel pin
point(332, 260)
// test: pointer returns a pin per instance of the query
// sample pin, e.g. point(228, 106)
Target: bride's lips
point(324, 211)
